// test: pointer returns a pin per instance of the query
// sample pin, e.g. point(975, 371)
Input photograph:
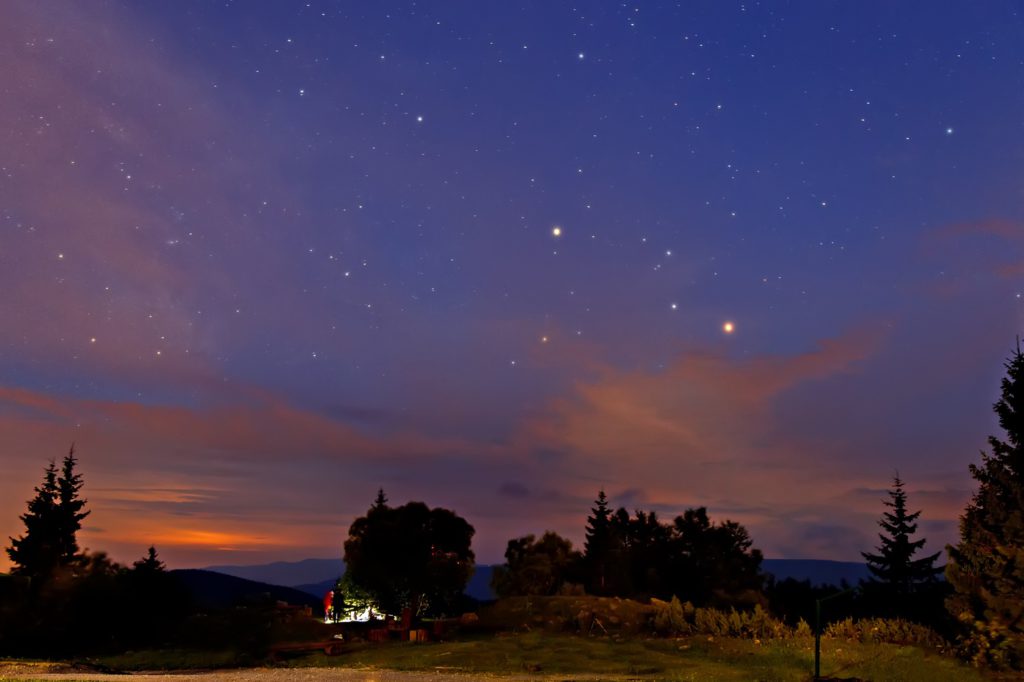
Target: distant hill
point(315, 577)
point(290, 573)
point(818, 571)
point(479, 586)
point(318, 589)
point(217, 590)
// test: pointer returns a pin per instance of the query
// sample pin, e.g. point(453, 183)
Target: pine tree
point(52, 521)
point(150, 563)
point(70, 508)
point(381, 502)
point(597, 544)
point(894, 567)
point(986, 568)
point(36, 553)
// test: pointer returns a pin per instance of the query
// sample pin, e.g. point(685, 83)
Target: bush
point(675, 618)
point(670, 618)
point(887, 631)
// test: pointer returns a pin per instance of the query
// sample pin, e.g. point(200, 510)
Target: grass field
point(577, 656)
point(550, 638)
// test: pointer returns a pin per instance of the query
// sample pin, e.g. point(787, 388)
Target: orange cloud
point(174, 473)
point(707, 431)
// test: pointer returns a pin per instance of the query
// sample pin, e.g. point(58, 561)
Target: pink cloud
point(706, 431)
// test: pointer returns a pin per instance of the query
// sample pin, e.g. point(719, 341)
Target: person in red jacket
point(328, 607)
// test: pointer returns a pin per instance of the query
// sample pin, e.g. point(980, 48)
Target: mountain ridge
point(316, 576)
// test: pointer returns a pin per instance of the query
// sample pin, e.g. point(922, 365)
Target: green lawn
point(660, 659)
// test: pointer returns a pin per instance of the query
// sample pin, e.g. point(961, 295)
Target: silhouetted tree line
point(61, 601)
point(637, 556)
point(714, 564)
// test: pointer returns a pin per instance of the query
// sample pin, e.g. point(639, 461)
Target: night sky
point(258, 259)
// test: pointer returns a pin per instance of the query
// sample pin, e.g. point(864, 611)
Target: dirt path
point(41, 672)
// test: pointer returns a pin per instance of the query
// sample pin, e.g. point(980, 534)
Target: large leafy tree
point(714, 563)
point(410, 557)
point(52, 521)
point(536, 567)
point(986, 568)
point(894, 567)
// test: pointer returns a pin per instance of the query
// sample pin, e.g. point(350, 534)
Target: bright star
point(728, 327)
point(556, 231)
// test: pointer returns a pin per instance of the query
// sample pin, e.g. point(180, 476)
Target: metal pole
point(817, 639)
point(817, 628)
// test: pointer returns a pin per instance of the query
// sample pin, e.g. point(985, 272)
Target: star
point(728, 327)
point(556, 231)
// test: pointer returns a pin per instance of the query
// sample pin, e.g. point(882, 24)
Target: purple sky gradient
point(259, 259)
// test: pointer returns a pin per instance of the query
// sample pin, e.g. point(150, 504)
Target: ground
point(545, 657)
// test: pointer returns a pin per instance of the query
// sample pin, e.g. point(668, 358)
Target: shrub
point(676, 618)
point(888, 631)
point(670, 617)
point(803, 629)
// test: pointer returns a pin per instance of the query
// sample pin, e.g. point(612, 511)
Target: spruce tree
point(70, 508)
point(986, 568)
point(597, 544)
point(52, 522)
point(150, 563)
point(36, 553)
point(894, 568)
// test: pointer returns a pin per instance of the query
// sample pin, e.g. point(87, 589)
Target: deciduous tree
point(536, 567)
point(411, 557)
